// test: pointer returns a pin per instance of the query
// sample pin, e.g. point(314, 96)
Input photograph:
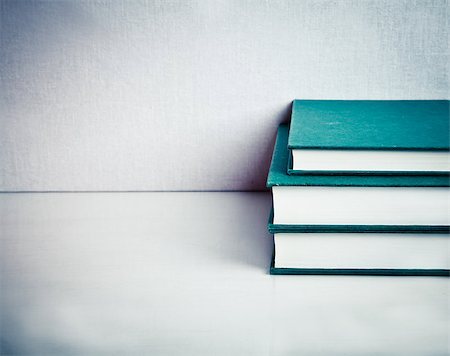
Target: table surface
point(187, 274)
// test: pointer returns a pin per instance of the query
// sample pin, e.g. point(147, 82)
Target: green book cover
point(278, 175)
point(369, 137)
point(360, 272)
point(370, 125)
point(419, 229)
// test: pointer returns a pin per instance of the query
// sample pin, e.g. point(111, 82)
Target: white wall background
point(186, 95)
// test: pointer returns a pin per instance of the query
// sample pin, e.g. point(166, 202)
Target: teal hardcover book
point(361, 252)
point(370, 136)
point(387, 201)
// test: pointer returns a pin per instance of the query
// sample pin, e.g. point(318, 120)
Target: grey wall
point(186, 95)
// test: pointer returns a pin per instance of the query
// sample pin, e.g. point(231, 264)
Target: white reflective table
point(187, 274)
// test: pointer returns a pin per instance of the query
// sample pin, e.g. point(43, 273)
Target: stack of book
point(362, 187)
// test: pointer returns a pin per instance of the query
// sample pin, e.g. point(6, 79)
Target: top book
point(370, 136)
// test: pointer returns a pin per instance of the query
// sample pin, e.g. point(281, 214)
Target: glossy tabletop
point(187, 274)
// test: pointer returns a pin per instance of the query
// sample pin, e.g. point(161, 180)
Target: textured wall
point(186, 95)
